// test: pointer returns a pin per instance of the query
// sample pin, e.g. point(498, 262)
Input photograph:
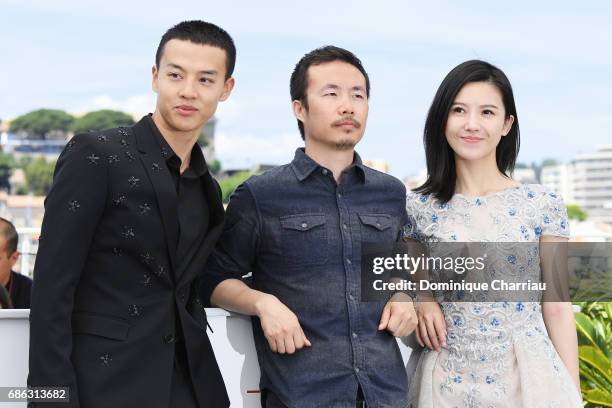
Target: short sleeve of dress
point(553, 219)
point(411, 228)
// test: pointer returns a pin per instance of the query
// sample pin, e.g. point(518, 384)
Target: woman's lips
point(471, 139)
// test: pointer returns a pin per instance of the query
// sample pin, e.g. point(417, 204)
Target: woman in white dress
point(488, 354)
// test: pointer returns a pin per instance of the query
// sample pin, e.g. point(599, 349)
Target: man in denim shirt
point(299, 228)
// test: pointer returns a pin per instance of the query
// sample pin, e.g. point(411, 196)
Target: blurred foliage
point(594, 326)
point(7, 163)
point(42, 122)
point(39, 176)
point(101, 119)
point(574, 212)
point(229, 184)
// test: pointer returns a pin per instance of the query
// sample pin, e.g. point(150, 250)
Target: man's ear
point(154, 78)
point(13, 258)
point(227, 88)
point(299, 110)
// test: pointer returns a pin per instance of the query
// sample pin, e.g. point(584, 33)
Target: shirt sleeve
point(235, 252)
point(553, 215)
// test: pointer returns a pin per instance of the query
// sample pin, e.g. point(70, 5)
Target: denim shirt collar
point(304, 166)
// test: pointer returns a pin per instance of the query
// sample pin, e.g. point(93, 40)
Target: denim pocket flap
point(302, 222)
point(379, 221)
point(99, 325)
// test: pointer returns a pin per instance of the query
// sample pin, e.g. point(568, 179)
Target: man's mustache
point(347, 119)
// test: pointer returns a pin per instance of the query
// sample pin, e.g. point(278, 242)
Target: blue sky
point(79, 57)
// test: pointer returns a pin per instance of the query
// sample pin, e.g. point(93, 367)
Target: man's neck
point(334, 160)
point(181, 142)
point(4, 278)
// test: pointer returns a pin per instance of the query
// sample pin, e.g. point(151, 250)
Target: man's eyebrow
point(205, 72)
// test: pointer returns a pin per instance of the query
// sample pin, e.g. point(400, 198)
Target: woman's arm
point(556, 309)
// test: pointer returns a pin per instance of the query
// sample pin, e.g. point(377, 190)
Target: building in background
point(586, 182)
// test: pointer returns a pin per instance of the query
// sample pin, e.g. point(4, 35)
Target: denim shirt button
point(351, 297)
point(344, 226)
point(354, 335)
point(356, 369)
point(324, 171)
point(304, 225)
point(339, 195)
point(348, 261)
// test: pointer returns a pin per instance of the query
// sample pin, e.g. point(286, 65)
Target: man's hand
point(280, 326)
point(398, 316)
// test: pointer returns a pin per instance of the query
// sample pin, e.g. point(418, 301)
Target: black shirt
point(193, 211)
point(19, 288)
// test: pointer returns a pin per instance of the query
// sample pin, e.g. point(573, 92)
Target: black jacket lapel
point(155, 166)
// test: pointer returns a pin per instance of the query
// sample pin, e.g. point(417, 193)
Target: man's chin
point(345, 144)
point(183, 125)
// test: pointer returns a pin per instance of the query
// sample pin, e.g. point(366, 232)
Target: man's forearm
point(236, 296)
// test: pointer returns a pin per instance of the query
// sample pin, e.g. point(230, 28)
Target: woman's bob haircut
point(441, 172)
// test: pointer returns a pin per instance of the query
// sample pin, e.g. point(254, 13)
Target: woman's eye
point(488, 112)
point(458, 109)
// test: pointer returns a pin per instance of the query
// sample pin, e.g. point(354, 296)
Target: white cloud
point(248, 150)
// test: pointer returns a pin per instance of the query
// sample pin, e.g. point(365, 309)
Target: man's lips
point(185, 110)
point(346, 124)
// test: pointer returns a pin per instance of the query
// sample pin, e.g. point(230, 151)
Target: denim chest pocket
point(377, 228)
point(304, 239)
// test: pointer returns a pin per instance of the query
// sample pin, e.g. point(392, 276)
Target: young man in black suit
point(129, 222)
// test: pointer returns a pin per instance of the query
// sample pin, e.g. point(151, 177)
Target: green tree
point(101, 119)
point(574, 212)
point(7, 163)
point(42, 123)
point(214, 166)
point(549, 162)
point(229, 184)
point(39, 176)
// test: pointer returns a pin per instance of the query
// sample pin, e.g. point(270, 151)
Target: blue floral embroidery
point(434, 218)
point(457, 379)
point(520, 307)
point(423, 198)
point(530, 194)
point(537, 231)
point(489, 379)
point(512, 212)
point(494, 322)
point(546, 219)
point(512, 259)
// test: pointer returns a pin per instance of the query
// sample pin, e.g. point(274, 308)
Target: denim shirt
point(300, 235)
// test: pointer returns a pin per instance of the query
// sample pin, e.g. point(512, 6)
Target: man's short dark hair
point(329, 53)
point(8, 231)
point(201, 32)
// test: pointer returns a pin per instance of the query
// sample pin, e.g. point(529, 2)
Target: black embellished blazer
point(107, 297)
